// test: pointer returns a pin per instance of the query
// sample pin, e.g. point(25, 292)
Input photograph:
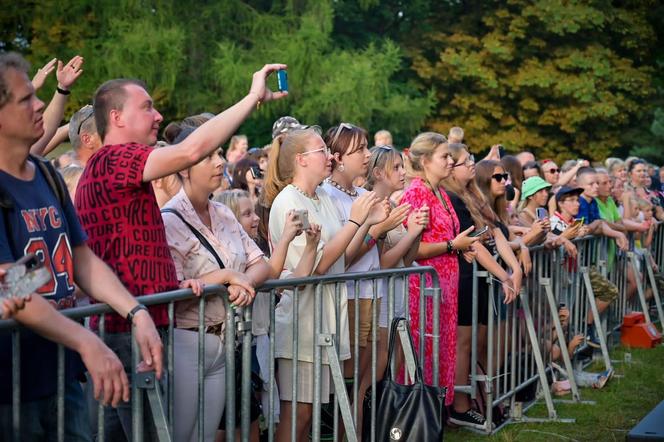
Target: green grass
point(620, 405)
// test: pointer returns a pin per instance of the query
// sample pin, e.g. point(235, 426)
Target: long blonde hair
point(423, 146)
point(281, 162)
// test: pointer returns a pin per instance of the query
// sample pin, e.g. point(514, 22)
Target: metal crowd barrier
point(520, 336)
point(238, 329)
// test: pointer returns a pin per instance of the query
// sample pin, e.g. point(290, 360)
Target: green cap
point(532, 185)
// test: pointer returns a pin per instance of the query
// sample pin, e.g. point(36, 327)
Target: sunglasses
point(325, 149)
point(337, 132)
point(467, 162)
point(499, 177)
point(552, 171)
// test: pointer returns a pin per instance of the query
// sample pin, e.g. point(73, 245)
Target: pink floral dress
point(444, 226)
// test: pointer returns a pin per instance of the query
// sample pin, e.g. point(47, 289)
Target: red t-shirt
point(119, 212)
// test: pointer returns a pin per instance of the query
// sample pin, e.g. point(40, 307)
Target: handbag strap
point(393, 334)
point(197, 234)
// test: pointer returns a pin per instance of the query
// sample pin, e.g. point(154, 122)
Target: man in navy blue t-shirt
point(35, 221)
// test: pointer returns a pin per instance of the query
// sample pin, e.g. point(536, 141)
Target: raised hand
point(396, 217)
point(379, 212)
point(42, 73)
point(259, 83)
point(361, 207)
point(69, 73)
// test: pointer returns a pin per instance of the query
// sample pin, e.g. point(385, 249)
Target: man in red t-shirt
point(117, 206)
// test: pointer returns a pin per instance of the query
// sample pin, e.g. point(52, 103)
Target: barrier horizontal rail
point(235, 328)
point(518, 334)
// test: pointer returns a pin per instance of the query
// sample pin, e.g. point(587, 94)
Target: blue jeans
point(117, 421)
point(39, 419)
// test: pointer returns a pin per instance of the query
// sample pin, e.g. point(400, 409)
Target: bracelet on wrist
point(450, 246)
point(382, 237)
point(136, 309)
point(61, 91)
point(354, 222)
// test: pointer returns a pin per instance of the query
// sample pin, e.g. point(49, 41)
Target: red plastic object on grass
point(637, 334)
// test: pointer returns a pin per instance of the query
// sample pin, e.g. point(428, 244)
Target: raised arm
point(213, 133)
point(67, 76)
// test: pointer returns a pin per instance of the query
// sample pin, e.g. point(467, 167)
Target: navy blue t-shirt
point(38, 224)
point(588, 210)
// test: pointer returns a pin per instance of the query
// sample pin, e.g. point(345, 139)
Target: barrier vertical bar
point(201, 369)
point(229, 344)
point(16, 385)
point(244, 327)
point(270, 391)
point(100, 408)
point(294, 373)
point(61, 394)
point(170, 358)
point(318, 315)
point(137, 423)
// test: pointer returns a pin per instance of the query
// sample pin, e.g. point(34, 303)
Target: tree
point(562, 79)
point(199, 56)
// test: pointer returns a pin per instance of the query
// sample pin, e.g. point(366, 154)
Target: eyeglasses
point(500, 177)
point(325, 149)
point(378, 150)
point(469, 161)
point(552, 171)
point(337, 132)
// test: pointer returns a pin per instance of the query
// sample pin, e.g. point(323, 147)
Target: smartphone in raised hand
point(282, 80)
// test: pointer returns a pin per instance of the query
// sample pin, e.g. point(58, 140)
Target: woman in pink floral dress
point(431, 162)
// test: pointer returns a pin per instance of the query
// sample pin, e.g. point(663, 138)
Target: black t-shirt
point(465, 221)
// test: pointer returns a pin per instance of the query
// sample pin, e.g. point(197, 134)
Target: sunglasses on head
point(499, 177)
point(337, 132)
point(379, 150)
point(80, 125)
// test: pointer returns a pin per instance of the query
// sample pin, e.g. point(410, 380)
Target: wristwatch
point(136, 309)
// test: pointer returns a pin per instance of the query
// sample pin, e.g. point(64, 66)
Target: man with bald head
point(525, 157)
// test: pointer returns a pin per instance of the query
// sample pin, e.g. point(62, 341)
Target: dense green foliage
point(560, 78)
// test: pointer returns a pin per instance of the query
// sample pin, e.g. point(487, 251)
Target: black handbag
point(405, 412)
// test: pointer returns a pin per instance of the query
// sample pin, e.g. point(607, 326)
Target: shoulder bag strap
point(197, 234)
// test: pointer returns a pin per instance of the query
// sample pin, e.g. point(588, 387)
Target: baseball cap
point(285, 124)
point(532, 185)
point(568, 191)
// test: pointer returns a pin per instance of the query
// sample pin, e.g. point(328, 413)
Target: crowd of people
point(144, 214)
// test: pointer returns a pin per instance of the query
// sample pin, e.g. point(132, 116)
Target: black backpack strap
point(53, 178)
point(197, 234)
